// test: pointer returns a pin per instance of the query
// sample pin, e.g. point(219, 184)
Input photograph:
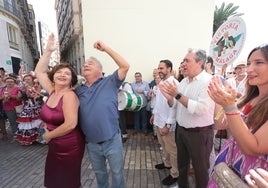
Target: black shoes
point(124, 138)
point(169, 180)
point(161, 166)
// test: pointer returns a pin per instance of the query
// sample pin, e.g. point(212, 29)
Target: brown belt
point(198, 129)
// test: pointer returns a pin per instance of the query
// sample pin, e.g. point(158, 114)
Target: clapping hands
point(169, 90)
point(222, 95)
point(257, 178)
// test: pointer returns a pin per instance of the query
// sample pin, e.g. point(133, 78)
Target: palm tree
point(223, 13)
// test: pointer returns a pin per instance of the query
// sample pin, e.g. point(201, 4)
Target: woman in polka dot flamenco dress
point(29, 119)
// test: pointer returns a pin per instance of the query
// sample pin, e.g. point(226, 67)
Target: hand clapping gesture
point(222, 95)
point(257, 178)
point(169, 90)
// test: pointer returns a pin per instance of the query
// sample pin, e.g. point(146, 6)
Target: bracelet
point(219, 114)
point(230, 108)
point(233, 113)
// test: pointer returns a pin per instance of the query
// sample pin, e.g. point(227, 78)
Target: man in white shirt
point(195, 111)
point(239, 81)
point(164, 118)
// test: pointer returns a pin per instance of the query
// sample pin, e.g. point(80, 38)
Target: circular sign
point(228, 41)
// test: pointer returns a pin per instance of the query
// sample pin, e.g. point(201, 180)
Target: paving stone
point(23, 166)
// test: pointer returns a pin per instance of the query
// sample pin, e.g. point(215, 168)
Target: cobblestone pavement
point(23, 166)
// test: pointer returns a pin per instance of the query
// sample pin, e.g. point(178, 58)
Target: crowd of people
point(186, 109)
point(21, 102)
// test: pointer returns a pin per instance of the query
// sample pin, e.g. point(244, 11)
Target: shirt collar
point(197, 77)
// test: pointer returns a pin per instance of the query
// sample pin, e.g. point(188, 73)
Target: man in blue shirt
point(98, 117)
point(141, 88)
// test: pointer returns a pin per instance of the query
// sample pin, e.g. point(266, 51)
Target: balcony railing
point(11, 8)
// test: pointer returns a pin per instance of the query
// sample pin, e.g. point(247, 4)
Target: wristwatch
point(168, 125)
point(178, 96)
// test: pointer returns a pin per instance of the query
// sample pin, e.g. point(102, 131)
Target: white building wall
point(6, 52)
point(26, 54)
point(4, 47)
point(146, 31)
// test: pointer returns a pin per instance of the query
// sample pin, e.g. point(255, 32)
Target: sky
point(45, 12)
point(255, 17)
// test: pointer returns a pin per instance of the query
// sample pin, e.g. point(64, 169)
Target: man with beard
point(164, 118)
point(194, 116)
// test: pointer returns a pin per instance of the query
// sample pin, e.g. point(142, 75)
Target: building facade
point(143, 32)
point(18, 36)
point(43, 34)
point(70, 32)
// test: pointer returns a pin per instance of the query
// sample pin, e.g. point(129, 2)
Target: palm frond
point(222, 13)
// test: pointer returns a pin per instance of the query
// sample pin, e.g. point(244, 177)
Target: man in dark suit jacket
point(225, 42)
